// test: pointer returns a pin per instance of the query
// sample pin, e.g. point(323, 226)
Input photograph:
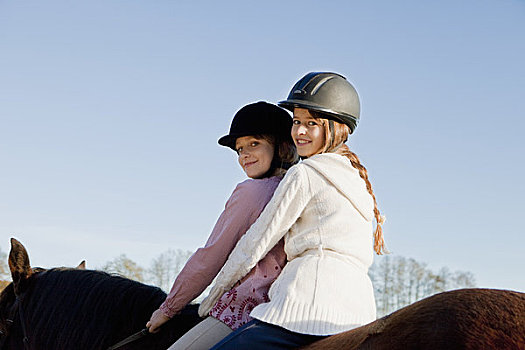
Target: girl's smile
point(307, 132)
point(255, 155)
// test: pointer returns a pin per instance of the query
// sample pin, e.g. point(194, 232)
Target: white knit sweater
point(324, 211)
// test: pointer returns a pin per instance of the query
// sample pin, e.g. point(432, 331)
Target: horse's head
point(13, 296)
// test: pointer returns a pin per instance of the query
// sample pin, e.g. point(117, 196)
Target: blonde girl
point(325, 210)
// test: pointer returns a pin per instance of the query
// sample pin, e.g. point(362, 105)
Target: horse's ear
point(19, 265)
point(82, 265)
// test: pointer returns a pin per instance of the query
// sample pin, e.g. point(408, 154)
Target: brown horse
point(65, 308)
point(459, 319)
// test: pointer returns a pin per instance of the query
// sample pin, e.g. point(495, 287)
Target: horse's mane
point(106, 308)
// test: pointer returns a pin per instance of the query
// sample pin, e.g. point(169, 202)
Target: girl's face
point(307, 132)
point(255, 155)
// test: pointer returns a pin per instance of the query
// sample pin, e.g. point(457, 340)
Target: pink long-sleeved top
point(233, 308)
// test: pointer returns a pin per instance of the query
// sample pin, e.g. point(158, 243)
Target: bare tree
point(166, 267)
point(399, 281)
point(400, 273)
point(462, 279)
point(126, 267)
point(381, 275)
point(5, 274)
point(416, 274)
point(443, 280)
point(4, 270)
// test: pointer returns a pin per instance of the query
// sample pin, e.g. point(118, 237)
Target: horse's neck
point(87, 309)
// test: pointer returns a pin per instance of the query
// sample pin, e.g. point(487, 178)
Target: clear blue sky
point(110, 113)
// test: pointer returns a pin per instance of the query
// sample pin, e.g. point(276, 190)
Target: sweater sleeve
point(241, 210)
point(280, 214)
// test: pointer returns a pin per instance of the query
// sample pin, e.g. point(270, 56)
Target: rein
point(144, 332)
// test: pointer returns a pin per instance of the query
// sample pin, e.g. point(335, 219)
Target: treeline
point(398, 281)
point(161, 272)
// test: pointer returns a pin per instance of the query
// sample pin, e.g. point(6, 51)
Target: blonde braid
point(379, 242)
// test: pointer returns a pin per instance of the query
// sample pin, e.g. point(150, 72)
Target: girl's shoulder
point(326, 158)
point(330, 163)
point(251, 192)
point(267, 181)
point(257, 186)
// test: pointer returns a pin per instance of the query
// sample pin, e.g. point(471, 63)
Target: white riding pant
point(203, 336)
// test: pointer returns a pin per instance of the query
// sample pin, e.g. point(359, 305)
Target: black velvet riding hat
point(260, 118)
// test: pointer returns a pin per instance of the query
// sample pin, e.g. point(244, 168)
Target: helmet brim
point(230, 139)
point(338, 116)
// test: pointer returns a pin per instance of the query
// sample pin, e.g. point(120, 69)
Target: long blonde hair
point(336, 135)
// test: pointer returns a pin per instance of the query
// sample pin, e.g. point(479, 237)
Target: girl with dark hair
point(260, 134)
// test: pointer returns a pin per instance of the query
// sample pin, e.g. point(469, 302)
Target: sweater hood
point(339, 171)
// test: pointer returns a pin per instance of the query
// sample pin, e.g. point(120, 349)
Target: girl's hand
point(157, 319)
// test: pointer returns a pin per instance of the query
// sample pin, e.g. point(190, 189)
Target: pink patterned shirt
point(241, 210)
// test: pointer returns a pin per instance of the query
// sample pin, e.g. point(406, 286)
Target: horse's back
point(460, 319)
